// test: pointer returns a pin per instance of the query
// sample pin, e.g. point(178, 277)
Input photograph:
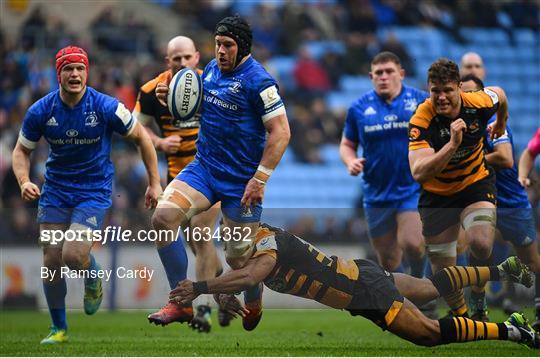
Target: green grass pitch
point(280, 333)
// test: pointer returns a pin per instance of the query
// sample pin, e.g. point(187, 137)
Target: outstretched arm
point(255, 271)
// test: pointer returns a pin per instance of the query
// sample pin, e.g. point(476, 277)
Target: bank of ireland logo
point(72, 133)
point(91, 120)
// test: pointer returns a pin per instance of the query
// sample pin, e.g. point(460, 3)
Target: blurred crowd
point(124, 55)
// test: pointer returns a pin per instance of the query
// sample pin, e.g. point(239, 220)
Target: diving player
point(288, 264)
point(78, 123)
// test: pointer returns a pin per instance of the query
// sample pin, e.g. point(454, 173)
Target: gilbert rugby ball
point(185, 94)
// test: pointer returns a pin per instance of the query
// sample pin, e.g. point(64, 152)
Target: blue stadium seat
point(341, 100)
point(358, 84)
point(318, 49)
point(330, 154)
point(296, 185)
point(485, 35)
point(526, 37)
point(284, 65)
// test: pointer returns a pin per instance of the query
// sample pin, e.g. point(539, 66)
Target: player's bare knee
point(391, 264)
point(74, 259)
point(52, 259)
point(163, 218)
point(481, 249)
point(391, 260)
point(237, 255)
point(414, 251)
point(204, 248)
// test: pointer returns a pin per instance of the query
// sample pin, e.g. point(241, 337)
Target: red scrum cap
point(70, 54)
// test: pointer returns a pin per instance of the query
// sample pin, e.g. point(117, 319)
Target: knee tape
point(84, 232)
point(448, 249)
point(172, 197)
point(480, 217)
point(238, 249)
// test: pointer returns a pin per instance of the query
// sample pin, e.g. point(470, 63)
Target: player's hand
point(253, 194)
point(169, 145)
point(456, 131)
point(230, 304)
point(356, 166)
point(151, 196)
point(162, 90)
point(525, 182)
point(495, 130)
point(30, 191)
point(183, 293)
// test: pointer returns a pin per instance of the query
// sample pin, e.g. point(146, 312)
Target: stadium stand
point(512, 60)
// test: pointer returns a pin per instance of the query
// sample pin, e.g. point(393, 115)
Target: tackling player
point(244, 133)
point(446, 155)
point(515, 220)
point(78, 123)
point(288, 264)
point(178, 144)
point(378, 121)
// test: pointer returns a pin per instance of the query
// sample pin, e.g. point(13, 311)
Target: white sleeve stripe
point(494, 97)
point(144, 119)
point(132, 127)
point(123, 114)
point(270, 96)
point(276, 112)
point(26, 142)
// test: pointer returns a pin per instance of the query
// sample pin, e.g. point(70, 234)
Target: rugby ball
point(185, 94)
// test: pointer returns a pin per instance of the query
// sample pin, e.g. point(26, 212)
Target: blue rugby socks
point(175, 261)
point(55, 293)
point(92, 268)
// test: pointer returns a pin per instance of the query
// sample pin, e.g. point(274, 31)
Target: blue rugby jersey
point(79, 138)
point(381, 129)
point(235, 106)
point(510, 193)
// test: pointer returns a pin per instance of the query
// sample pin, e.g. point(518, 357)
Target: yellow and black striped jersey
point(148, 109)
point(468, 165)
point(303, 270)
